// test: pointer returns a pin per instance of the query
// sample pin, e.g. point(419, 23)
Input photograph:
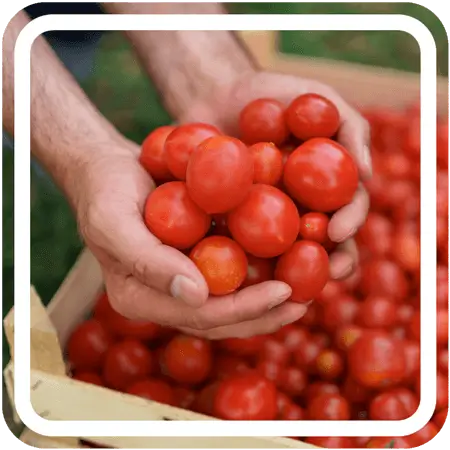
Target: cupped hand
point(147, 280)
point(222, 109)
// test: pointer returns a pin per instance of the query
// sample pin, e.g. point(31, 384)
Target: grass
point(126, 97)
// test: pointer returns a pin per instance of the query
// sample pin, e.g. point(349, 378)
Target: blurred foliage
point(125, 96)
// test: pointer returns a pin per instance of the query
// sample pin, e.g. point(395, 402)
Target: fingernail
point(367, 158)
point(345, 272)
point(280, 294)
point(185, 289)
point(297, 316)
point(348, 235)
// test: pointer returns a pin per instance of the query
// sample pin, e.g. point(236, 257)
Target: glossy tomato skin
point(376, 234)
point(262, 120)
point(293, 412)
point(376, 360)
point(153, 155)
point(330, 364)
point(406, 251)
point(318, 388)
point(88, 377)
point(306, 355)
point(377, 312)
point(259, 270)
point(246, 397)
point(266, 223)
point(321, 175)
point(88, 345)
point(153, 389)
point(305, 268)
point(174, 218)
point(187, 359)
point(442, 326)
point(293, 381)
point(314, 227)
point(268, 163)
point(273, 350)
point(228, 365)
point(204, 402)
point(127, 362)
point(440, 418)
point(292, 336)
point(396, 404)
point(346, 335)
point(222, 262)
point(329, 407)
point(387, 442)
point(182, 142)
point(330, 442)
point(219, 174)
point(342, 311)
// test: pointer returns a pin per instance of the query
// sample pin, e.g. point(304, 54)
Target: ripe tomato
point(396, 165)
point(329, 364)
point(102, 306)
point(263, 120)
point(440, 418)
point(414, 326)
point(406, 251)
point(312, 317)
point(318, 388)
point(87, 345)
point(273, 350)
point(389, 442)
point(354, 392)
point(330, 442)
point(246, 397)
point(293, 381)
point(331, 290)
point(258, 271)
point(250, 346)
point(153, 155)
point(88, 377)
point(292, 336)
point(322, 338)
point(314, 227)
point(182, 142)
point(377, 312)
point(405, 312)
point(292, 412)
point(184, 397)
point(219, 226)
point(376, 360)
point(346, 335)
point(306, 355)
point(312, 116)
point(125, 363)
point(220, 174)
point(270, 369)
point(266, 223)
point(376, 234)
point(282, 402)
point(424, 435)
point(153, 389)
point(187, 359)
point(222, 262)
point(412, 357)
point(329, 176)
point(304, 267)
point(268, 163)
point(343, 310)
point(442, 392)
point(228, 365)
point(173, 217)
point(442, 326)
point(329, 407)
point(443, 360)
point(204, 402)
point(396, 404)
point(442, 285)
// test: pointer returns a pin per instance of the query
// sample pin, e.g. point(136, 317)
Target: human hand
point(147, 280)
point(222, 109)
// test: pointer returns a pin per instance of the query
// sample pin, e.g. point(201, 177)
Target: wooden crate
point(361, 85)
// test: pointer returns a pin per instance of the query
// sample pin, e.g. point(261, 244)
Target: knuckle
point(198, 323)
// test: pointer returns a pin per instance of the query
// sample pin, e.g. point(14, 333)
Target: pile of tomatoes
point(256, 209)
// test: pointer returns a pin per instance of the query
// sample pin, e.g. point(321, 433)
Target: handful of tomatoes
point(257, 208)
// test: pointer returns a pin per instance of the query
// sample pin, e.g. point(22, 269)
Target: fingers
point(345, 223)
point(344, 260)
point(272, 321)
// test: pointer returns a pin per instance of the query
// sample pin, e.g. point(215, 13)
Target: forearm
point(66, 129)
point(185, 64)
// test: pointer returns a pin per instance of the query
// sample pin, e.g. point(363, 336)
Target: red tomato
point(341, 311)
point(184, 397)
point(204, 402)
point(87, 345)
point(405, 313)
point(228, 365)
point(312, 316)
point(443, 360)
point(346, 335)
point(330, 442)
point(397, 404)
point(412, 356)
point(270, 370)
point(329, 175)
point(152, 156)
point(268, 163)
point(220, 174)
point(174, 218)
point(219, 226)
point(282, 402)
point(306, 355)
point(153, 389)
point(102, 307)
point(292, 336)
point(304, 267)
point(360, 441)
point(414, 326)
point(292, 412)
point(389, 442)
point(222, 262)
point(329, 407)
point(243, 346)
point(329, 364)
point(314, 227)
point(442, 326)
point(331, 290)
point(442, 285)
point(396, 165)
point(376, 234)
point(258, 271)
point(182, 142)
point(273, 350)
point(440, 418)
point(424, 435)
point(187, 359)
point(318, 388)
point(293, 381)
point(263, 120)
point(376, 360)
point(312, 116)
point(125, 363)
point(266, 223)
point(246, 397)
point(322, 338)
point(354, 392)
point(442, 392)
point(406, 251)
point(377, 312)
point(88, 377)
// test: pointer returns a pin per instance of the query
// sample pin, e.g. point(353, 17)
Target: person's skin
point(202, 76)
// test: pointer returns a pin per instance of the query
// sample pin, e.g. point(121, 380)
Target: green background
point(124, 94)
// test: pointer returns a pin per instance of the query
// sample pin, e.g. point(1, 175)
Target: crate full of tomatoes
point(256, 208)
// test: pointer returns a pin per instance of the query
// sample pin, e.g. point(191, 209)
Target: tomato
point(312, 116)
point(442, 326)
point(384, 277)
point(376, 360)
point(228, 365)
point(219, 226)
point(243, 346)
point(293, 381)
point(442, 392)
point(329, 364)
point(389, 442)
point(222, 262)
point(346, 335)
point(424, 435)
point(220, 174)
point(292, 336)
point(292, 412)
point(282, 402)
point(331, 290)
point(268, 163)
point(314, 227)
point(187, 359)
point(184, 397)
point(360, 441)
point(273, 350)
point(329, 176)
point(322, 338)
point(270, 370)
point(306, 355)
point(405, 312)
point(412, 356)
point(397, 165)
point(87, 345)
point(343, 310)
point(263, 120)
point(377, 312)
point(376, 234)
point(442, 285)
point(414, 326)
point(153, 154)
point(304, 267)
point(204, 402)
point(318, 388)
point(246, 397)
point(354, 392)
point(173, 217)
point(442, 144)
point(312, 317)
point(266, 223)
point(440, 418)
point(102, 307)
point(397, 404)
point(330, 442)
point(127, 362)
point(443, 360)
point(153, 389)
point(182, 142)
point(88, 377)
point(406, 251)
point(258, 271)
point(329, 407)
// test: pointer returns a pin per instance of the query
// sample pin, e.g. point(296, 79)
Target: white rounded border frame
point(356, 22)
